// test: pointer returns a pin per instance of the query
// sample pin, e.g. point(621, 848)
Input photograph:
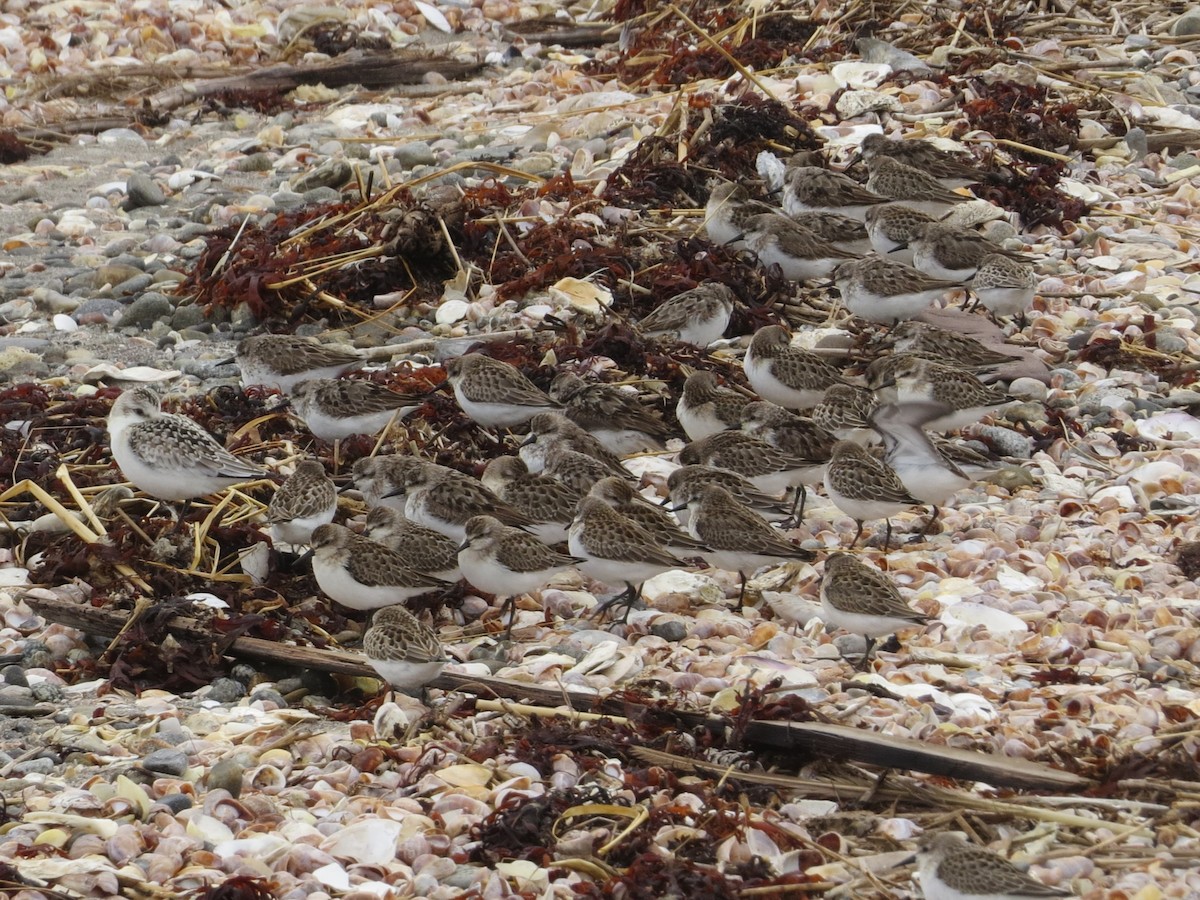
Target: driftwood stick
point(816, 739)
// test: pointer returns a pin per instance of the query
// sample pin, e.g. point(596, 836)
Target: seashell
point(105, 828)
point(972, 614)
point(451, 311)
point(267, 779)
point(333, 876)
point(144, 374)
point(369, 840)
point(63, 322)
point(466, 775)
point(1170, 429)
point(208, 829)
point(853, 104)
point(527, 875)
point(433, 16)
point(860, 75)
point(580, 295)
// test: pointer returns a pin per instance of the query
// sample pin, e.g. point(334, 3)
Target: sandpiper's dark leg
point(510, 606)
point(887, 535)
point(925, 530)
point(857, 534)
point(741, 593)
point(633, 594)
point(866, 657)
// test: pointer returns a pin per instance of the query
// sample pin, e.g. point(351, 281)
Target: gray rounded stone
point(45, 692)
point(227, 774)
point(176, 803)
point(15, 675)
point(146, 310)
point(141, 190)
point(167, 762)
point(226, 690)
point(670, 630)
point(332, 174)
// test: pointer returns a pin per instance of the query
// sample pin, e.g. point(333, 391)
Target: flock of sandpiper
point(565, 500)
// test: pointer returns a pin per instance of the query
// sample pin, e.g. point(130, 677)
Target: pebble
point(167, 762)
point(143, 191)
point(226, 774)
point(226, 690)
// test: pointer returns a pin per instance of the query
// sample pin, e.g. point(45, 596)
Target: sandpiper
point(885, 291)
point(951, 169)
point(844, 412)
point(307, 500)
point(727, 210)
point(404, 651)
point(801, 254)
point(285, 360)
point(616, 550)
point(1005, 286)
point(547, 502)
point(548, 430)
point(419, 548)
point(813, 189)
point(507, 562)
point(362, 574)
point(699, 316)
point(705, 408)
point(923, 470)
point(656, 521)
point(737, 538)
point(949, 347)
point(493, 393)
point(787, 375)
point(911, 187)
point(616, 418)
point(952, 869)
point(864, 487)
point(892, 227)
point(681, 482)
point(170, 456)
point(444, 499)
point(966, 398)
point(334, 408)
point(863, 600)
point(952, 253)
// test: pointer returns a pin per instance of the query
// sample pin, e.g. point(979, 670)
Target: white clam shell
point(996, 621)
point(146, 374)
point(860, 75)
point(1170, 429)
point(368, 841)
point(451, 311)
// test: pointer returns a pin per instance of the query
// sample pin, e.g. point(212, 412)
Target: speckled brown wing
point(303, 494)
point(891, 178)
point(724, 524)
point(846, 406)
point(805, 371)
point(541, 499)
point(173, 442)
point(375, 565)
point(973, 870)
point(522, 552)
point(395, 633)
point(820, 187)
point(603, 406)
point(962, 390)
point(852, 586)
point(610, 535)
point(860, 476)
point(361, 397)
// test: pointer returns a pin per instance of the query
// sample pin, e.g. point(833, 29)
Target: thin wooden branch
point(810, 738)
